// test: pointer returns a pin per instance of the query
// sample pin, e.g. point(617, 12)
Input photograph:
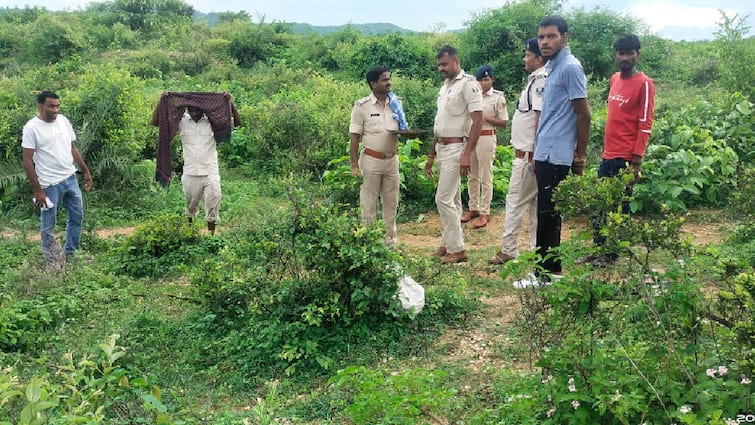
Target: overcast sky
point(675, 19)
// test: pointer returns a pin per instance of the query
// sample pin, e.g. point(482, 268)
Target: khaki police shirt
point(494, 105)
point(457, 98)
point(524, 123)
point(374, 122)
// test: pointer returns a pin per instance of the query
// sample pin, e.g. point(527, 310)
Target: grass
point(166, 339)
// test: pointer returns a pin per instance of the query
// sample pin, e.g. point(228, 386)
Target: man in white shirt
point(49, 154)
point(201, 176)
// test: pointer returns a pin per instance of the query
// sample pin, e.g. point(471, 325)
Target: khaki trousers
point(380, 177)
point(480, 184)
point(198, 187)
point(522, 197)
point(448, 195)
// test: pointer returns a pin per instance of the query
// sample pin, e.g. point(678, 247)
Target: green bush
point(92, 389)
point(158, 247)
point(693, 155)
point(634, 343)
point(413, 396)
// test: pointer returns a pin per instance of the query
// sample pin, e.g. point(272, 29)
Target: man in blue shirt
point(561, 141)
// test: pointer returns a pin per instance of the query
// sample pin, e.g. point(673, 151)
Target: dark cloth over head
point(484, 71)
point(218, 107)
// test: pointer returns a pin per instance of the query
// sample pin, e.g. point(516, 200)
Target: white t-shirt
point(51, 141)
point(199, 147)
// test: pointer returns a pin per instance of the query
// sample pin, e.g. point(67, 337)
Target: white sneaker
point(530, 281)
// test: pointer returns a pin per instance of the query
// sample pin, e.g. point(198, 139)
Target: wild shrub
point(634, 343)
point(694, 153)
point(409, 396)
point(158, 247)
point(417, 191)
point(294, 283)
point(92, 389)
point(295, 291)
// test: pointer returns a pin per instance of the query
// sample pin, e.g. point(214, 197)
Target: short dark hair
point(556, 20)
point(627, 43)
point(447, 50)
point(42, 96)
point(374, 74)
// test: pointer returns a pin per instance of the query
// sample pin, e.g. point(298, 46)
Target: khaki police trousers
point(522, 197)
point(480, 185)
point(448, 195)
point(380, 177)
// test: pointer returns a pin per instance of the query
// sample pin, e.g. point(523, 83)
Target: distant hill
point(302, 28)
point(366, 29)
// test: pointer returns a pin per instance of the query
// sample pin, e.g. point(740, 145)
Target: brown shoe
point(482, 221)
point(500, 259)
point(456, 257)
point(469, 215)
point(440, 252)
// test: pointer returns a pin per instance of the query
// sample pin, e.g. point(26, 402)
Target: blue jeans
point(68, 194)
point(609, 168)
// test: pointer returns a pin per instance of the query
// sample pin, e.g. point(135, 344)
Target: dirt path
point(101, 233)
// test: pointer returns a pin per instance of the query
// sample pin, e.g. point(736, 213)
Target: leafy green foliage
point(634, 343)
point(409, 56)
point(497, 37)
point(414, 396)
point(591, 37)
point(92, 389)
point(695, 164)
point(735, 50)
point(158, 247)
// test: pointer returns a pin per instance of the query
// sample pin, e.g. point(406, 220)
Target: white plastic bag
point(412, 295)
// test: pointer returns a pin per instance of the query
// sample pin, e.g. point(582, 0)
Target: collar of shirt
point(458, 76)
point(189, 118)
point(560, 57)
point(489, 92)
point(536, 73)
point(374, 100)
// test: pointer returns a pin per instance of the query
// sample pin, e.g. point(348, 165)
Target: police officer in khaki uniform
point(458, 122)
point(372, 121)
point(480, 185)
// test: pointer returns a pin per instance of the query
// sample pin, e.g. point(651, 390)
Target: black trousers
point(548, 219)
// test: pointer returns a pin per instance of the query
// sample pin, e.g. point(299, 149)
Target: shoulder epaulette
point(363, 100)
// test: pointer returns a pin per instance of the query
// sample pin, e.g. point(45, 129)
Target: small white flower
point(685, 409)
point(575, 404)
point(617, 396)
point(745, 381)
point(551, 412)
point(730, 421)
point(722, 370)
point(711, 372)
point(572, 387)
point(547, 379)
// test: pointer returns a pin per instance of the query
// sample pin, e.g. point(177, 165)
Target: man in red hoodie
point(631, 101)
